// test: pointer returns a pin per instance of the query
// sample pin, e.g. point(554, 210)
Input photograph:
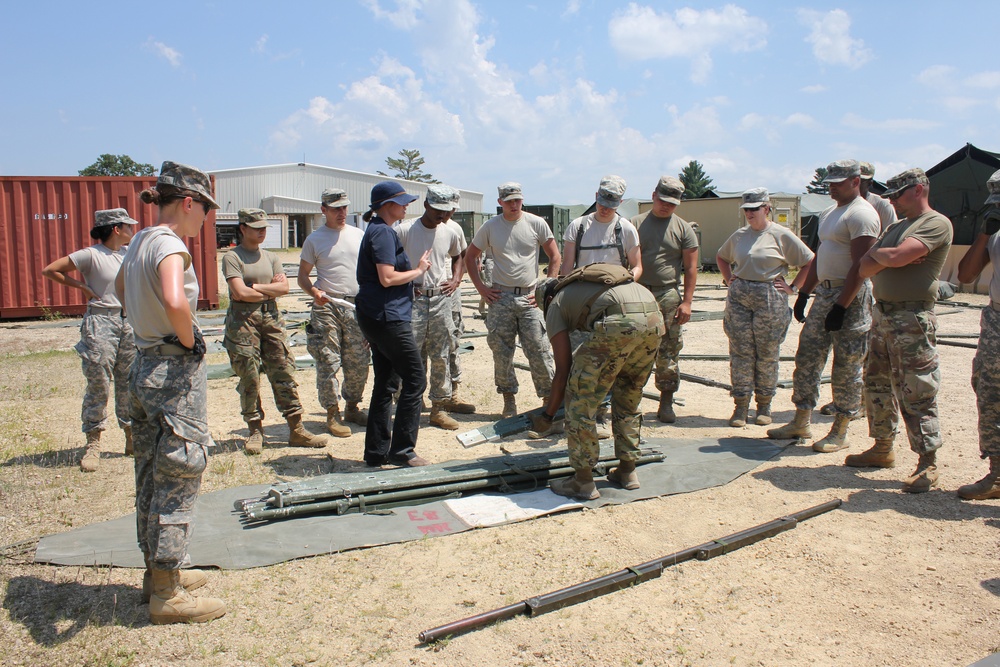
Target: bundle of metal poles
point(340, 493)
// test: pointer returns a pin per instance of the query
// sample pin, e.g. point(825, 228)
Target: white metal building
point(290, 193)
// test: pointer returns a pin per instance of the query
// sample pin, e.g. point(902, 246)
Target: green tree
point(407, 166)
point(696, 181)
point(118, 165)
point(816, 185)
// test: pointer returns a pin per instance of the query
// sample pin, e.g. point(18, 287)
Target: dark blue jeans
point(394, 352)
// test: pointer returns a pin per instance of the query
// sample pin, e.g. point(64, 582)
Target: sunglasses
point(899, 193)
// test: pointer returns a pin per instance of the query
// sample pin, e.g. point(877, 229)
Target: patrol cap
point(456, 197)
point(334, 198)
point(841, 170)
point(510, 190)
point(670, 189)
point(112, 216)
point(867, 171)
point(993, 185)
point(610, 192)
point(442, 197)
point(543, 291)
point(390, 191)
point(188, 178)
point(899, 182)
point(755, 198)
point(254, 218)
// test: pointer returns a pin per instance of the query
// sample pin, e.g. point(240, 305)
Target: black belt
point(346, 297)
point(165, 350)
point(245, 306)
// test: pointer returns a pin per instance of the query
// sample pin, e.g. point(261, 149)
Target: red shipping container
point(44, 218)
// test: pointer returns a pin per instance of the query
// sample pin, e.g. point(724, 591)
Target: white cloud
point(831, 40)
point(261, 45)
point(802, 120)
point(572, 7)
point(937, 76)
point(172, 56)
point(984, 80)
point(856, 122)
point(405, 16)
point(641, 33)
point(815, 88)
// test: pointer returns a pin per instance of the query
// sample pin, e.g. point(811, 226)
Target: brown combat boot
point(92, 455)
point(925, 477)
point(171, 603)
point(879, 455)
point(579, 487)
point(454, 404)
point(354, 414)
point(836, 439)
point(797, 428)
point(509, 405)
point(986, 488)
point(254, 444)
point(190, 580)
point(739, 418)
point(665, 411)
point(129, 449)
point(763, 416)
point(440, 418)
point(298, 436)
point(335, 425)
point(624, 475)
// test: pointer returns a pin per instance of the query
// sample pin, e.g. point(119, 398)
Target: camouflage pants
point(756, 321)
point(668, 376)
point(458, 330)
point(986, 382)
point(256, 339)
point(170, 435)
point(334, 339)
point(903, 374)
point(106, 349)
point(615, 361)
point(850, 346)
point(432, 324)
point(513, 316)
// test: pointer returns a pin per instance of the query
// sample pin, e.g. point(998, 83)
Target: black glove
point(198, 349)
point(800, 307)
point(835, 318)
point(991, 225)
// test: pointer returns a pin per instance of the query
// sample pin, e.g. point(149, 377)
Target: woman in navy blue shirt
point(384, 302)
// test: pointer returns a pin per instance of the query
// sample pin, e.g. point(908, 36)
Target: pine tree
point(816, 185)
point(408, 167)
point(696, 181)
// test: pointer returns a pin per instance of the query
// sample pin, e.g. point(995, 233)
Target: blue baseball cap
point(390, 191)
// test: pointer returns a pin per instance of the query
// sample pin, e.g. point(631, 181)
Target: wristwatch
point(795, 289)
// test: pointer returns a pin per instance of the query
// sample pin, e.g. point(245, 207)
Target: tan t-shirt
point(335, 255)
point(914, 282)
point(599, 244)
point(514, 247)
point(99, 266)
point(763, 256)
point(453, 224)
point(838, 226)
point(886, 213)
point(663, 242)
point(259, 266)
point(567, 305)
point(443, 243)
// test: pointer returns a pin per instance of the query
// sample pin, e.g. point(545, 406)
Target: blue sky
point(551, 94)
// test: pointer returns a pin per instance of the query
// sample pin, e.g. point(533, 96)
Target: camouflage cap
point(899, 182)
point(993, 185)
point(334, 198)
point(112, 216)
point(254, 218)
point(755, 198)
point(670, 189)
point(867, 171)
point(510, 190)
point(188, 178)
point(456, 198)
point(610, 191)
point(442, 197)
point(841, 170)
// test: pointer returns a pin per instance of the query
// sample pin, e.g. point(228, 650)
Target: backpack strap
point(619, 243)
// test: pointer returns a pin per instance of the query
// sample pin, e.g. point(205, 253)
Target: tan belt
point(890, 306)
point(995, 306)
point(626, 308)
point(832, 283)
point(420, 291)
point(103, 310)
point(515, 290)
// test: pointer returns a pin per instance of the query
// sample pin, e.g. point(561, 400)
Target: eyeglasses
point(899, 193)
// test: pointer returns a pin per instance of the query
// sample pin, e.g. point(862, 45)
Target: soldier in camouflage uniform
point(903, 370)
point(840, 316)
point(455, 404)
point(333, 337)
point(169, 386)
point(255, 334)
point(985, 250)
point(513, 239)
point(754, 262)
point(432, 318)
point(106, 345)
point(625, 326)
